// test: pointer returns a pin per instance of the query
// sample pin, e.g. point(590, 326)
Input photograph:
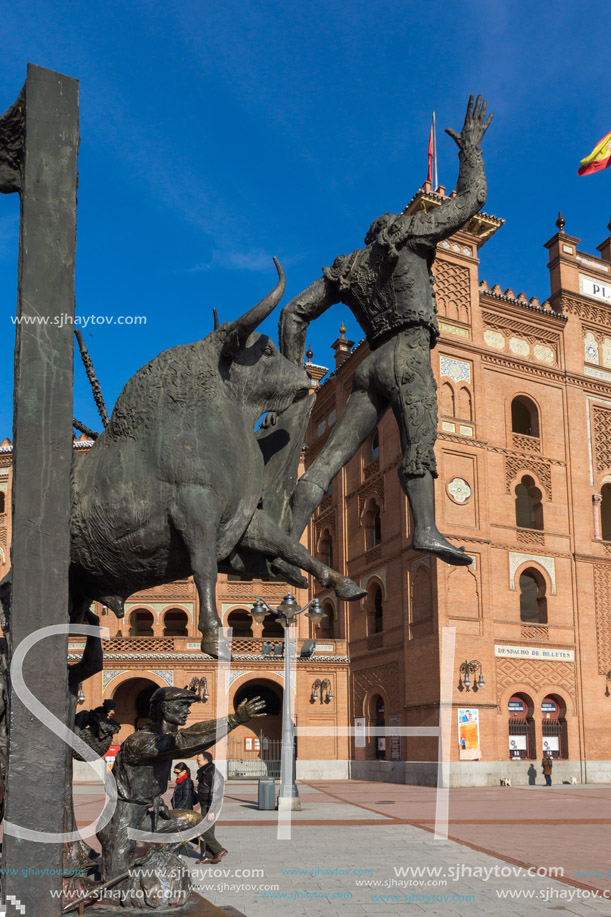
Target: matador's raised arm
point(428, 229)
point(297, 315)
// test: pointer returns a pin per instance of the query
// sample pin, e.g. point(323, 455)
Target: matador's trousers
point(398, 374)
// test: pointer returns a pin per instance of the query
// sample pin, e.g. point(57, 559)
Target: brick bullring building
point(524, 461)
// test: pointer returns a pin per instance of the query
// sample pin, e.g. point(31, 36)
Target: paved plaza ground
point(369, 849)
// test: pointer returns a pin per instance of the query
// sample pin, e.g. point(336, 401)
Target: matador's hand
point(474, 127)
point(248, 709)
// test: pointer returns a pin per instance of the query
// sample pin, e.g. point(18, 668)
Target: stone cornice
point(503, 450)
point(521, 304)
point(203, 657)
point(586, 308)
point(499, 320)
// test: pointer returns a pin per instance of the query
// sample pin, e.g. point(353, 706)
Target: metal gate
point(252, 757)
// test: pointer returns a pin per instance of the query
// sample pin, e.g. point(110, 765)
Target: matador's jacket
point(388, 286)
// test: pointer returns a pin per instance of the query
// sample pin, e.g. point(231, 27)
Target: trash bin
point(267, 793)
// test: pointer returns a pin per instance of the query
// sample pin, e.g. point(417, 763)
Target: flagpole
point(436, 179)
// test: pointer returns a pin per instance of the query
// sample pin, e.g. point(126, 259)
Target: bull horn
point(216, 319)
point(244, 326)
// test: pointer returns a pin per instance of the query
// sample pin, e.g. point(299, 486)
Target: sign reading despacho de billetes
point(549, 654)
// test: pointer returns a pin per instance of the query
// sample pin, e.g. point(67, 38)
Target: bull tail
point(93, 381)
point(83, 429)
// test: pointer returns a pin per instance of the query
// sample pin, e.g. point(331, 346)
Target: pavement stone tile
point(489, 817)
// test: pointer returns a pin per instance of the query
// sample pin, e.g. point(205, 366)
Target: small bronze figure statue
point(142, 770)
point(96, 728)
point(388, 287)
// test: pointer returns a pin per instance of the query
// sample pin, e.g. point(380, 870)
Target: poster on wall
point(359, 732)
point(551, 743)
point(517, 745)
point(468, 734)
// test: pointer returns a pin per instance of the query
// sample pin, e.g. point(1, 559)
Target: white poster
point(517, 743)
point(359, 732)
point(551, 743)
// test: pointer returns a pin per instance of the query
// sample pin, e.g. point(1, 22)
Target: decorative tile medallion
point(459, 490)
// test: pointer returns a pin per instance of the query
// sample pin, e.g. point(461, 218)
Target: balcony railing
point(526, 443)
point(252, 646)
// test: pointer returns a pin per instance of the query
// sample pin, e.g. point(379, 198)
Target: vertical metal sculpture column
point(38, 158)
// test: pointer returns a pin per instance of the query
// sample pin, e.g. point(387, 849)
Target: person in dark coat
point(210, 788)
point(184, 793)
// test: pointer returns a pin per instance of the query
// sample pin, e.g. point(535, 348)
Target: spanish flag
point(599, 158)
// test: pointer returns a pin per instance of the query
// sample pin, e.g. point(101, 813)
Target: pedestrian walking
point(210, 787)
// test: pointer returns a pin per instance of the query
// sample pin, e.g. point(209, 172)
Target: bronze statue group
point(388, 286)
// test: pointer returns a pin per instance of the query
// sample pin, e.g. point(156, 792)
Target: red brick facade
point(524, 457)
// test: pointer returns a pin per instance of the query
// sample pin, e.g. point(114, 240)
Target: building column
point(597, 499)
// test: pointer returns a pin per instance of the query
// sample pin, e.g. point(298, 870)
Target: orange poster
point(468, 734)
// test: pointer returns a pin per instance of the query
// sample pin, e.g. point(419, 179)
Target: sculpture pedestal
point(198, 907)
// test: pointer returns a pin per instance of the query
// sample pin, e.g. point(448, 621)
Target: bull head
point(239, 331)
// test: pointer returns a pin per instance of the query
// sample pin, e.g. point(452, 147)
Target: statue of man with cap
point(142, 771)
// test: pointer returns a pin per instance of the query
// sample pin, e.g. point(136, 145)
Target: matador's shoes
point(434, 543)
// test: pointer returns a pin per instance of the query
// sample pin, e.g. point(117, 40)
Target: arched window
point(522, 743)
point(377, 527)
point(464, 409)
point(524, 416)
point(2, 502)
point(379, 716)
point(554, 727)
point(372, 522)
point(141, 623)
point(325, 548)
point(326, 629)
point(447, 400)
point(605, 512)
point(272, 627)
point(378, 612)
point(374, 605)
point(375, 447)
point(241, 621)
point(533, 603)
point(529, 509)
point(176, 623)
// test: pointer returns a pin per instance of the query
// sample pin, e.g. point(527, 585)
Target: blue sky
point(215, 135)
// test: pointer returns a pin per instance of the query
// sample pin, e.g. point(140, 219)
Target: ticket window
point(521, 728)
point(380, 721)
point(553, 728)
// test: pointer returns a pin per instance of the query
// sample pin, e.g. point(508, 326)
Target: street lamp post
point(287, 612)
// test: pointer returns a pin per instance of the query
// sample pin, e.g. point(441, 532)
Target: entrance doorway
point(253, 750)
point(553, 727)
point(522, 742)
point(379, 711)
point(132, 701)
